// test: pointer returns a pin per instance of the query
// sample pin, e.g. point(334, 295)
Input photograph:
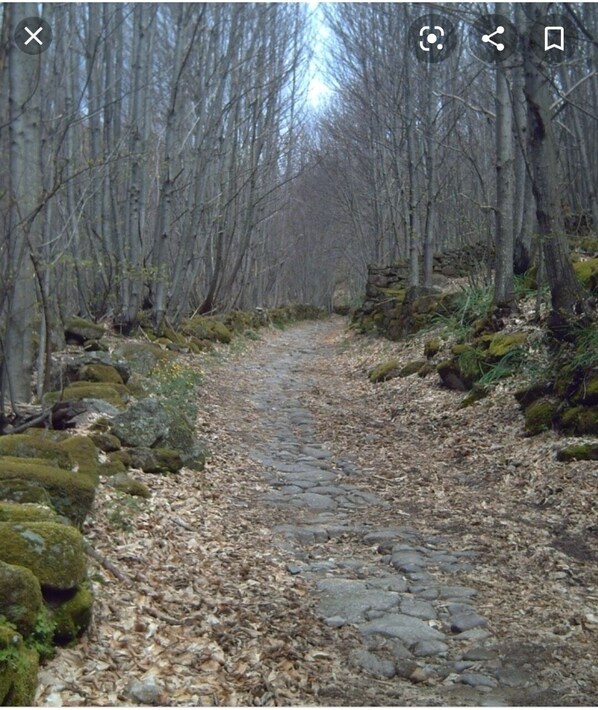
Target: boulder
point(204, 328)
point(31, 446)
point(53, 552)
point(78, 330)
point(385, 371)
point(18, 669)
point(125, 484)
point(70, 612)
point(578, 452)
point(580, 421)
point(67, 415)
point(20, 597)
point(100, 373)
point(150, 423)
point(142, 357)
point(70, 494)
point(540, 415)
point(21, 491)
point(114, 394)
point(12, 512)
point(504, 343)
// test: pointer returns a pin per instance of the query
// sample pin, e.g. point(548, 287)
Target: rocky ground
point(347, 544)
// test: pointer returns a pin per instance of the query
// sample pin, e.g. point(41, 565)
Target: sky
point(318, 91)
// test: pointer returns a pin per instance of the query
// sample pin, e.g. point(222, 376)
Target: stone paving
point(412, 623)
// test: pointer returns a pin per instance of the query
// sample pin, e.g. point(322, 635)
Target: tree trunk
point(565, 290)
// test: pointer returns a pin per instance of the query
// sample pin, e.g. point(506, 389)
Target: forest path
point(347, 544)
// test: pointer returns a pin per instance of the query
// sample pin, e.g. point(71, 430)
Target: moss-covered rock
point(526, 395)
point(143, 424)
point(580, 421)
point(540, 415)
point(83, 455)
point(20, 597)
point(476, 393)
point(123, 456)
point(504, 343)
point(142, 357)
point(385, 371)
point(106, 442)
point(587, 272)
point(586, 391)
point(70, 494)
point(432, 347)
point(169, 460)
point(70, 612)
point(450, 375)
point(18, 669)
point(20, 491)
point(181, 437)
point(100, 373)
point(125, 484)
point(412, 368)
point(204, 328)
point(78, 330)
point(159, 460)
point(578, 452)
point(114, 394)
point(53, 552)
point(12, 512)
point(31, 446)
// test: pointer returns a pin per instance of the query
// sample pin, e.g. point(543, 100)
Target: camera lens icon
point(432, 38)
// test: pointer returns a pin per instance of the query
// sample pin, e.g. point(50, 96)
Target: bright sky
point(318, 91)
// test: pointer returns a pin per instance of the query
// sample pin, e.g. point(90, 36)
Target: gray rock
point(335, 621)
point(513, 678)
point(476, 634)
point(392, 583)
point(416, 607)
point(406, 628)
point(400, 651)
point(315, 501)
point(407, 561)
point(424, 591)
point(351, 599)
point(467, 621)
point(455, 592)
point(372, 664)
point(480, 653)
point(146, 691)
point(478, 679)
point(303, 535)
point(429, 648)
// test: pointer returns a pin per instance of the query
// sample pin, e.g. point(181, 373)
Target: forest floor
point(246, 586)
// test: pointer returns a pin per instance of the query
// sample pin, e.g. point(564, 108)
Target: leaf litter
point(212, 612)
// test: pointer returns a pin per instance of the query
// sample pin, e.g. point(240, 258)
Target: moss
point(587, 391)
point(123, 456)
point(168, 459)
point(220, 332)
point(30, 446)
point(83, 455)
point(450, 374)
point(531, 393)
point(143, 357)
point(204, 328)
point(112, 393)
point(540, 415)
point(13, 489)
point(385, 371)
point(460, 348)
point(580, 421)
point(126, 484)
point(19, 666)
point(79, 330)
point(432, 347)
point(503, 343)
point(412, 368)
point(173, 336)
point(12, 512)
point(72, 616)
point(106, 442)
point(20, 597)
point(71, 495)
point(53, 552)
point(477, 392)
point(100, 373)
point(578, 452)
point(587, 272)
point(427, 369)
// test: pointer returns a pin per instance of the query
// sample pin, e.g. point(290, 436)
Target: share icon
point(488, 38)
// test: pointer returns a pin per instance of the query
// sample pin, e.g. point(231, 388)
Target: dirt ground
point(207, 607)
